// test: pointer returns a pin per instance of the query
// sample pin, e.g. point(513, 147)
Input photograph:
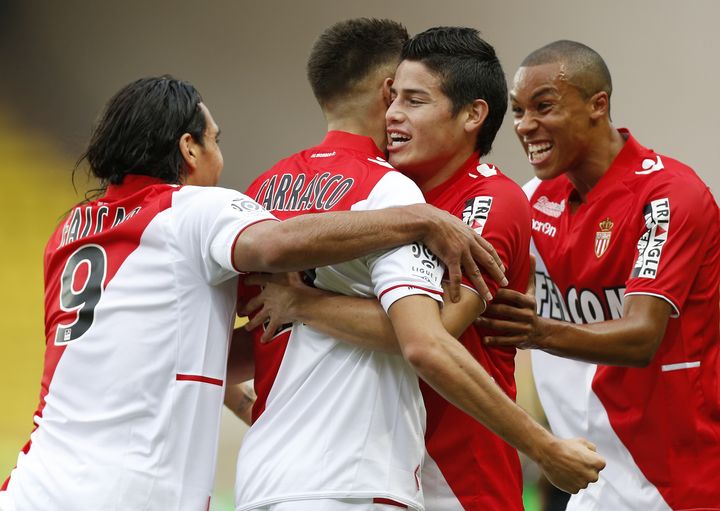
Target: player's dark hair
point(468, 69)
point(139, 131)
point(586, 69)
point(349, 51)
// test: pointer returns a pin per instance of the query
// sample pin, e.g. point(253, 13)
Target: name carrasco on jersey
point(290, 192)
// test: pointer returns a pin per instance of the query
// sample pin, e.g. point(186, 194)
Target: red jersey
point(479, 470)
point(650, 226)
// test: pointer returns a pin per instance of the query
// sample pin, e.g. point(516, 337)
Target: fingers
point(473, 273)
point(256, 320)
point(487, 261)
point(487, 246)
point(521, 300)
point(455, 276)
point(252, 305)
point(516, 341)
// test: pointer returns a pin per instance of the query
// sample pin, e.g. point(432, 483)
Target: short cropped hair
point(586, 69)
point(349, 51)
point(468, 69)
point(139, 131)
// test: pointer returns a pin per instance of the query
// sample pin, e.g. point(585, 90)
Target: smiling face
point(425, 140)
point(552, 119)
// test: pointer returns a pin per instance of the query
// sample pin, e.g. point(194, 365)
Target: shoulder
point(661, 175)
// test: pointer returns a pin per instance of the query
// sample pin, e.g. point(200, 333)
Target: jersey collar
point(627, 161)
point(344, 140)
point(131, 183)
point(470, 165)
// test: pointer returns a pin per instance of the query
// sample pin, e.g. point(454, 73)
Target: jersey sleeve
point(211, 221)
point(407, 270)
point(668, 255)
point(500, 213)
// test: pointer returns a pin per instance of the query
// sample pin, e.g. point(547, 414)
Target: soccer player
point(628, 246)
point(438, 140)
point(140, 292)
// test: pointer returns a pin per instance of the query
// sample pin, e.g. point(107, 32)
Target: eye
point(544, 106)
point(414, 102)
point(517, 111)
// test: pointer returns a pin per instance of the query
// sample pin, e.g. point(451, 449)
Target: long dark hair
point(139, 131)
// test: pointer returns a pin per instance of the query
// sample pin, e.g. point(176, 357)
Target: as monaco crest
point(602, 238)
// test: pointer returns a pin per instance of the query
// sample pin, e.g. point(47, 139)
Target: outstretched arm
point(452, 371)
point(629, 341)
point(309, 241)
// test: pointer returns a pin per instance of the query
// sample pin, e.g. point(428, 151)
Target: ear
point(387, 95)
point(188, 149)
point(476, 112)
point(599, 105)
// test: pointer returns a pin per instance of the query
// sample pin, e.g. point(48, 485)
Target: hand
point(462, 249)
point(514, 314)
point(277, 301)
point(572, 464)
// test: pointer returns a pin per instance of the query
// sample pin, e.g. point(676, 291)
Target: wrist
point(541, 445)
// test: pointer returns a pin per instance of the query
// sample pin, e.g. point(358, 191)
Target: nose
point(394, 114)
point(525, 124)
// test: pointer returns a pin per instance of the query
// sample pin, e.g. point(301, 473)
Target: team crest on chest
point(602, 237)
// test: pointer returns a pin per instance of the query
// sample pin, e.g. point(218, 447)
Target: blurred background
point(61, 61)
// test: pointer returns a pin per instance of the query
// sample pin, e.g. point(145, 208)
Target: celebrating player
point(628, 246)
point(437, 140)
point(140, 289)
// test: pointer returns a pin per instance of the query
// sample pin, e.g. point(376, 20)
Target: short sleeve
point(407, 270)
point(500, 213)
point(210, 219)
point(670, 241)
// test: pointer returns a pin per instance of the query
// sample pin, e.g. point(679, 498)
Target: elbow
point(644, 353)
point(423, 355)
point(260, 254)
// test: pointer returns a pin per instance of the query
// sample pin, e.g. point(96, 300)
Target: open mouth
point(396, 140)
point(537, 153)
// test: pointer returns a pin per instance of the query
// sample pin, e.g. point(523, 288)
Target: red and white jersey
point(139, 305)
point(650, 226)
point(334, 420)
point(469, 467)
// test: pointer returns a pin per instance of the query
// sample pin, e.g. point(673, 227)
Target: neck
point(600, 155)
point(437, 172)
point(359, 126)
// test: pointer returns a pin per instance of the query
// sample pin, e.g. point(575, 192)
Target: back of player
point(139, 302)
point(337, 421)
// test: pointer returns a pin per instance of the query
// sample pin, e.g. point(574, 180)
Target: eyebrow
point(410, 91)
point(544, 90)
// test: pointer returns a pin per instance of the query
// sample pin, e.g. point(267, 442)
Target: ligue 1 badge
point(602, 238)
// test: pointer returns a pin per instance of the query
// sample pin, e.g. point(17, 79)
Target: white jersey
point(140, 301)
point(340, 421)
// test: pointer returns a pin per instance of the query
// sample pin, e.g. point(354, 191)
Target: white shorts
point(5, 502)
point(334, 505)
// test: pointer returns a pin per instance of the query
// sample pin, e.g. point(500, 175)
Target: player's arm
point(310, 241)
point(358, 321)
point(629, 341)
point(452, 371)
point(239, 399)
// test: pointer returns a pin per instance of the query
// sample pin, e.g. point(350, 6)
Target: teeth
point(397, 138)
point(534, 148)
